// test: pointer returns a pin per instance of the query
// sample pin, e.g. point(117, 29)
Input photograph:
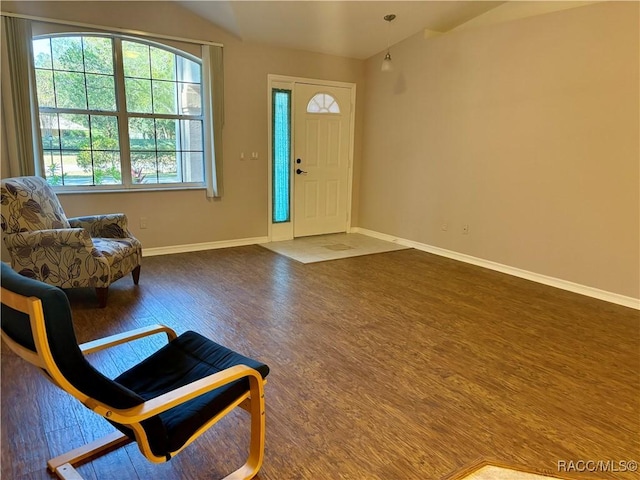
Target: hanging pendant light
point(387, 66)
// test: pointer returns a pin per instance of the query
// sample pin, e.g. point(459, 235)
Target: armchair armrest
point(55, 237)
point(114, 225)
point(120, 338)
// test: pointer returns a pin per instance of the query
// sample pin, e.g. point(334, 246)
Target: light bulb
point(387, 66)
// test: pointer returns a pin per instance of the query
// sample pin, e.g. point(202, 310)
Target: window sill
point(84, 191)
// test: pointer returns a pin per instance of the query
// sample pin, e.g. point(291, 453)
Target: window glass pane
point(135, 57)
point(101, 93)
point(190, 99)
point(74, 172)
point(70, 90)
point(67, 53)
point(143, 167)
point(170, 177)
point(53, 167)
point(74, 131)
point(188, 70)
point(104, 133)
point(142, 134)
point(166, 135)
point(192, 167)
point(167, 166)
point(191, 135)
point(49, 131)
point(105, 150)
point(163, 64)
point(42, 53)
point(164, 97)
point(281, 154)
point(168, 143)
point(44, 86)
point(98, 55)
point(138, 93)
point(106, 167)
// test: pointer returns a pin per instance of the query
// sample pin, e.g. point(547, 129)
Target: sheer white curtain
point(213, 97)
point(19, 115)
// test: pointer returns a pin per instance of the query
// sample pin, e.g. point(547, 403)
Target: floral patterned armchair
point(44, 244)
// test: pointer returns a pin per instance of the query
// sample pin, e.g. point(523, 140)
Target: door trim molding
point(279, 231)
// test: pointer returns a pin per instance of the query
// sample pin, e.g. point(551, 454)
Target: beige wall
point(526, 131)
point(184, 217)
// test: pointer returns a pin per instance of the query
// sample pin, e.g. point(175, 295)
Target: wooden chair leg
point(67, 472)
point(62, 466)
point(256, 407)
point(136, 275)
point(102, 293)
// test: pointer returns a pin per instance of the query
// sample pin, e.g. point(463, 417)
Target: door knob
point(299, 171)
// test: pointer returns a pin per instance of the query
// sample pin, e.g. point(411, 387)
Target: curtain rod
point(139, 33)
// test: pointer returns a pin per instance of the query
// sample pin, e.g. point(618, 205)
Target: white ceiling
point(356, 29)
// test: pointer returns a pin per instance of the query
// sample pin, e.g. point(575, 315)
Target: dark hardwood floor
point(400, 365)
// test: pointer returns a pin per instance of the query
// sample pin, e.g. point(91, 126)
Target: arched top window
point(323, 103)
point(138, 121)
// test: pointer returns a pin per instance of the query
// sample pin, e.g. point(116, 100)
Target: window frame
point(123, 116)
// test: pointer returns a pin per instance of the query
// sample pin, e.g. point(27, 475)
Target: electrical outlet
point(143, 222)
point(465, 229)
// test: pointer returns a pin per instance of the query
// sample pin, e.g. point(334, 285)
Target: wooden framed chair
point(163, 403)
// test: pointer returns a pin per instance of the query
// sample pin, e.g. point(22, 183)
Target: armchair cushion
point(122, 254)
point(65, 257)
point(114, 250)
point(29, 203)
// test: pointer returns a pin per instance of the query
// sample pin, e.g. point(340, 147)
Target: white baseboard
point(517, 272)
point(196, 247)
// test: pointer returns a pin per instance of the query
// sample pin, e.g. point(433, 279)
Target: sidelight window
point(281, 108)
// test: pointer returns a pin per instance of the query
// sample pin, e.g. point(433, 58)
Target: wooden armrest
point(120, 338)
point(180, 395)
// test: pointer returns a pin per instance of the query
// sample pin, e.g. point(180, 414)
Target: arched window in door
point(323, 103)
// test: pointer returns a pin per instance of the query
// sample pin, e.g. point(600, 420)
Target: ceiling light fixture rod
point(386, 63)
point(389, 18)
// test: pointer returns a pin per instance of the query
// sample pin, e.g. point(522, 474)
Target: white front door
point(322, 144)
